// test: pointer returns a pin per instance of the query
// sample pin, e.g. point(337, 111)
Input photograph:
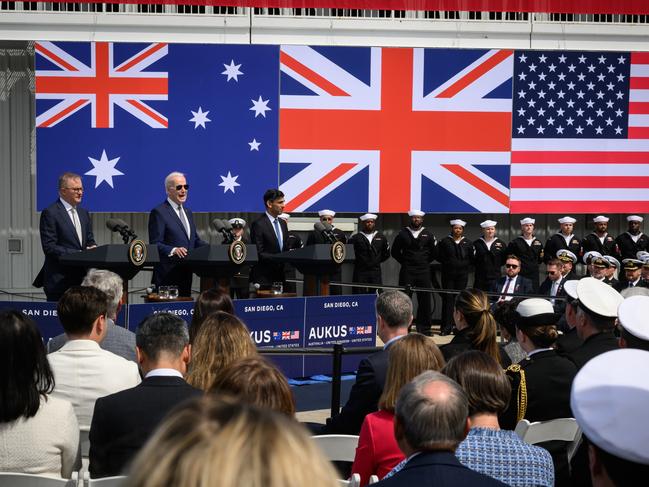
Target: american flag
point(388, 129)
point(580, 132)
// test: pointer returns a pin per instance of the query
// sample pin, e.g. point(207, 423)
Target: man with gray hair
point(118, 339)
point(431, 420)
point(393, 317)
point(172, 229)
point(123, 422)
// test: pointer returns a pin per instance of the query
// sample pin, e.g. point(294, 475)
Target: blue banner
point(137, 312)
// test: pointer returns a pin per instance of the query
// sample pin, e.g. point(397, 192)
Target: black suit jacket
point(124, 421)
point(546, 287)
point(58, 238)
point(363, 397)
point(263, 236)
point(437, 469)
point(593, 346)
point(523, 286)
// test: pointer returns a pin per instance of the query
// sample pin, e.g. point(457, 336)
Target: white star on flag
point(229, 182)
point(260, 107)
point(104, 169)
point(232, 71)
point(199, 118)
point(254, 145)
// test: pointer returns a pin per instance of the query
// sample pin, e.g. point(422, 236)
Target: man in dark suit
point(430, 421)
point(123, 422)
point(65, 228)
point(529, 250)
point(270, 234)
point(393, 317)
point(172, 229)
point(512, 282)
point(553, 285)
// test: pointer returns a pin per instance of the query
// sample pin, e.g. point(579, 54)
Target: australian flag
point(124, 116)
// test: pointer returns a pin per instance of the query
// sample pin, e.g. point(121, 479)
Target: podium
point(316, 263)
point(216, 263)
point(112, 257)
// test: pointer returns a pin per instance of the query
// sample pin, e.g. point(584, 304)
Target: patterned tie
point(183, 220)
point(77, 224)
point(278, 233)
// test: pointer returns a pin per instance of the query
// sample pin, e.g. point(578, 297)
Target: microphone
point(325, 230)
point(120, 226)
point(222, 227)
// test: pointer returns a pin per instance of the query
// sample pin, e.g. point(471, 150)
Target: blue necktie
point(278, 232)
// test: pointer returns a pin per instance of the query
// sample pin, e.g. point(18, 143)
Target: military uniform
point(455, 258)
point(568, 342)
point(593, 346)
point(487, 261)
point(531, 255)
point(628, 247)
point(415, 254)
point(370, 251)
point(605, 246)
point(558, 242)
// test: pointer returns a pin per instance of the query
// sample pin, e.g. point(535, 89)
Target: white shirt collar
point(415, 233)
point(66, 205)
point(164, 373)
point(173, 204)
point(271, 217)
point(529, 354)
point(369, 236)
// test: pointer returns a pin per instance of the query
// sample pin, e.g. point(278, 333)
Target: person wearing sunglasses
point(529, 249)
point(172, 229)
point(553, 285)
point(511, 283)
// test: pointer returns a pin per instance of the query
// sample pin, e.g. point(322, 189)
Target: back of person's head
point(474, 306)
point(79, 307)
point(395, 308)
point(256, 381)
point(162, 334)
point(408, 357)
point(431, 413)
point(208, 302)
point(483, 380)
point(110, 283)
point(25, 373)
point(505, 315)
point(221, 340)
point(216, 441)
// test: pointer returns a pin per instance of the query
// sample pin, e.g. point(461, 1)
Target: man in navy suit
point(270, 234)
point(65, 228)
point(172, 229)
point(553, 285)
point(512, 283)
point(430, 421)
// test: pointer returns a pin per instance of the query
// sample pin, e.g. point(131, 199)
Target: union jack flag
point(388, 129)
point(101, 84)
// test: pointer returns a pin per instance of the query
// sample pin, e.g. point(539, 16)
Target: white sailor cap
point(488, 223)
point(613, 261)
point(600, 219)
point(535, 312)
point(632, 264)
point(327, 213)
point(599, 298)
point(416, 213)
point(634, 218)
point(567, 219)
point(528, 221)
point(566, 256)
point(609, 398)
point(284, 216)
point(367, 216)
point(237, 222)
point(642, 255)
point(591, 254)
point(632, 314)
point(457, 221)
point(570, 287)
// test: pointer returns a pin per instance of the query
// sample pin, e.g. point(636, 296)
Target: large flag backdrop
point(351, 128)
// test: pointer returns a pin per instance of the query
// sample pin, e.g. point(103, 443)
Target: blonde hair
point(214, 441)
point(221, 340)
point(474, 306)
point(408, 357)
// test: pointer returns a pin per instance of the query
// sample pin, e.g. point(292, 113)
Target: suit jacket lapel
point(174, 216)
point(65, 217)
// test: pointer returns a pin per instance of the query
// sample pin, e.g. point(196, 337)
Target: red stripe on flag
point(639, 133)
point(640, 58)
point(637, 83)
point(142, 107)
point(48, 53)
point(477, 183)
point(595, 182)
point(476, 73)
point(51, 121)
point(311, 75)
point(639, 107)
point(133, 62)
point(321, 184)
point(580, 157)
point(564, 207)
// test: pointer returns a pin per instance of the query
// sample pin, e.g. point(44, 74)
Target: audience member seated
point(82, 370)
point(430, 421)
point(377, 452)
point(124, 421)
point(393, 317)
point(39, 433)
point(569, 341)
point(214, 441)
point(609, 399)
point(221, 340)
point(505, 316)
point(208, 302)
point(487, 449)
point(256, 381)
point(118, 339)
point(476, 327)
